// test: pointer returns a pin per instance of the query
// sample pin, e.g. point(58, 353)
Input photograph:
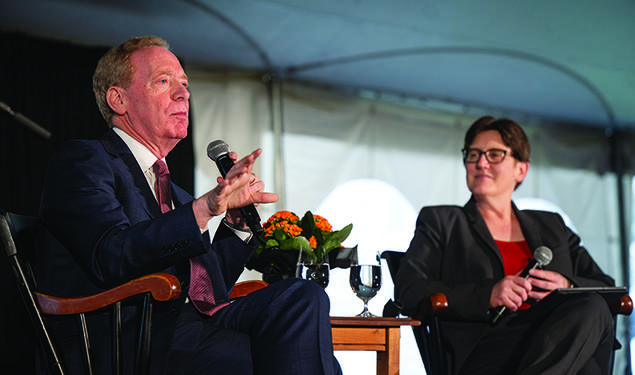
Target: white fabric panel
point(234, 109)
point(330, 140)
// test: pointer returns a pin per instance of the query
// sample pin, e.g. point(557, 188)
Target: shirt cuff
point(244, 234)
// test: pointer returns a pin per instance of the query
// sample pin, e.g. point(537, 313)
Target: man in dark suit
point(114, 215)
point(474, 254)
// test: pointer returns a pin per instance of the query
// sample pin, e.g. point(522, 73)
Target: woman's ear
point(116, 97)
point(522, 167)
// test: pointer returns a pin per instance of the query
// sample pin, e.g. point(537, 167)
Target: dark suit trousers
point(575, 337)
point(281, 329)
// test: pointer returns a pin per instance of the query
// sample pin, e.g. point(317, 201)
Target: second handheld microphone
point(218, 151)
point(542, 257)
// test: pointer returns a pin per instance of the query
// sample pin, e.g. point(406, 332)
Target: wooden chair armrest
point(162, 286)
point(623, 307)
point(434, 304)
point(243, 288)
point(437, 303)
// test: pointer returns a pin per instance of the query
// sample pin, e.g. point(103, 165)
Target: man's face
point(157, 100)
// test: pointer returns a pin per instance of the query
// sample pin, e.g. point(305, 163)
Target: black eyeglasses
point(493, 155)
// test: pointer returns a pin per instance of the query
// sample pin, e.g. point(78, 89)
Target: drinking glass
point(365, 279)
point(317, 272)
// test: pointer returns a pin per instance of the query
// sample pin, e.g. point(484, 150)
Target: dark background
point(49, 82)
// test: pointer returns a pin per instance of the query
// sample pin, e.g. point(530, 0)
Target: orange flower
point(313, 242)
point(270, 227)
point(281, 219)
point(322, 224)
point(282, 215)
point(292, 230)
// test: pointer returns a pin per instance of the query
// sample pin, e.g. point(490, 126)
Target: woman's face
point(488, 180)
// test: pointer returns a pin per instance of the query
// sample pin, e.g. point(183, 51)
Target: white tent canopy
point(566, 61)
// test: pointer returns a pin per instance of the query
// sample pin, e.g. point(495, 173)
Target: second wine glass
point(365, 279)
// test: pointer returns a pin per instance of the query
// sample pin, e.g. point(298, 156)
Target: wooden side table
point(371, 334)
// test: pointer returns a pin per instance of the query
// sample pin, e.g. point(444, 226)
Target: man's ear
point(117, 100)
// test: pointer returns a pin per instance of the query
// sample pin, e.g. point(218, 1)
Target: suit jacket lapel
point(478, 225)
point(114, 145)
point(527, 225)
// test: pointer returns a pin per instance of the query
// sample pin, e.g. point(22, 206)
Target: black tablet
point(611, 295)
point(608, 292)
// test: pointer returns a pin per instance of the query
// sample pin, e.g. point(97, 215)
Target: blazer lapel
point(478, 225)
point(115, 146)
point(532, 236)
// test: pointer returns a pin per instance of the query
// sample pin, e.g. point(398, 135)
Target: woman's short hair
point(512, 134)
point(115, 69)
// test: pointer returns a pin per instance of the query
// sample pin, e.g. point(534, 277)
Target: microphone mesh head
point(543, 255)
point(217, 148)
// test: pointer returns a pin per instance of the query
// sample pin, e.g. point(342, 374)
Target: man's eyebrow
point(170, 73)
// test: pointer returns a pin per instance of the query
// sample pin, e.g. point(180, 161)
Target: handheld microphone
point(218, 151)
point(542, 257)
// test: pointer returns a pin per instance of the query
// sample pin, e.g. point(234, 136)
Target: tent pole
point(274, 88)
point(617, 166)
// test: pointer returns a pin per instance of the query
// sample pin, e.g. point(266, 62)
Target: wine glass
point(317, 272)
point(365, 279)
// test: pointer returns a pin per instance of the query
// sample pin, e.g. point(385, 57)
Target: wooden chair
point(428, 336)
point(17, 231)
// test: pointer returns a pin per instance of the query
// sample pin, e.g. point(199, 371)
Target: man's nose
point(181, 93)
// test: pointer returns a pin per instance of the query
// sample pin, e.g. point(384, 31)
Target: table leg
point(388, 360)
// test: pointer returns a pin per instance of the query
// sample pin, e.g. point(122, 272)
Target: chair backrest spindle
point(13, 224)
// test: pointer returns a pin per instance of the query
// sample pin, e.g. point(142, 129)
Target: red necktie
point(162, 185)
point(201, 290)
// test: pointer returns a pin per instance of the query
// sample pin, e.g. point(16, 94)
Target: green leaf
point(298, 243)
point(334, 239)
point(271, 243)
point(279, 234)
point(319, 237)
point(308, 225)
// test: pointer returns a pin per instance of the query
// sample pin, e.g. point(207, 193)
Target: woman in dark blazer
point(474, 255)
